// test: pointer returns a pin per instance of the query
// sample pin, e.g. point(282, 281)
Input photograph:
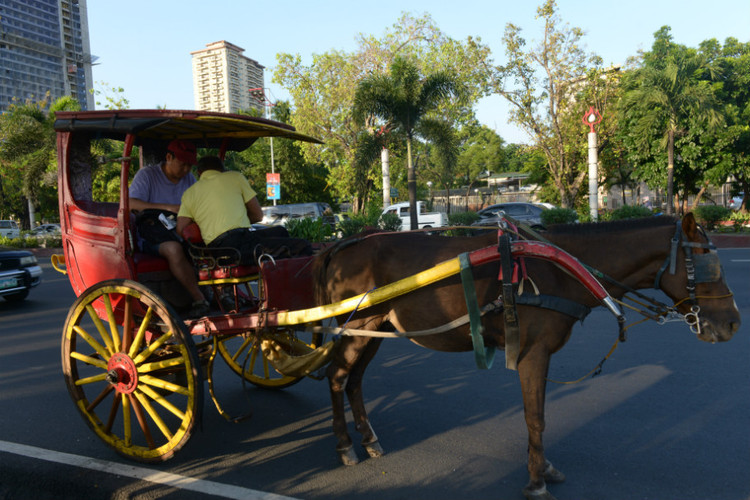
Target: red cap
point(183, 151)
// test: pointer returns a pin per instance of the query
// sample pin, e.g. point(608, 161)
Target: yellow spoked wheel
point(246, 359)
point(132, 370)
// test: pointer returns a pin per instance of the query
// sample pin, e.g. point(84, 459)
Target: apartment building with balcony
point(44, 47)
point(222, 77)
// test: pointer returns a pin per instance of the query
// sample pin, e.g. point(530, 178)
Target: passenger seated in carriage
point(224, 206)
point(158, 189)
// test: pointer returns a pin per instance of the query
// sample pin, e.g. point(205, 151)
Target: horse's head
point(694, 279)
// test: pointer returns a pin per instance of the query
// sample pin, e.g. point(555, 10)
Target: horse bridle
point(700, 268)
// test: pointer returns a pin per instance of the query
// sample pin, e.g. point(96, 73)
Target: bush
point(711, 215)
point(559, 216)
point(630, 212)
point(739, 220)
point(313, 230)
point(462, 218)
point(355, 224)
point(389, 222)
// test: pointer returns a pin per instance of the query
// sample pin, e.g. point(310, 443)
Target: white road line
point(740, 260)
point(165, 478)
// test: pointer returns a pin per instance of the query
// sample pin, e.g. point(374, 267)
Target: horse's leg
point(532, 371)
point(356, 400)
point(338, 374)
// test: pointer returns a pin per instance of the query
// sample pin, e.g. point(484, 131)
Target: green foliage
point(390, 222)
point(19, 242)
point(313, 230)
point(630, 212)
point(462, 218)
point(559, 216)
point(711, 215)
point(739, 220)
point(355, 224)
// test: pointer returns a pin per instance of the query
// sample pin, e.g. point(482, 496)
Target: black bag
point(151, 229)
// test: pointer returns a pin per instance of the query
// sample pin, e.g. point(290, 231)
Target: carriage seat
point(192, 234)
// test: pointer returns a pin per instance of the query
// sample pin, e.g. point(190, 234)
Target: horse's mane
point(612, 226)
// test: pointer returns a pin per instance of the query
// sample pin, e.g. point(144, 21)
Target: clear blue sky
point(144, 45)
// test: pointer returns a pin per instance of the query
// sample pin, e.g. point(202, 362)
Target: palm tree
point(403, 99)
point(670, 88)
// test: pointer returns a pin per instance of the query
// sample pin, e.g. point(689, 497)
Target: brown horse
point(636, 254)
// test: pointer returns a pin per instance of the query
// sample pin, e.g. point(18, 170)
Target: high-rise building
point(44, 47)
point(222, 78)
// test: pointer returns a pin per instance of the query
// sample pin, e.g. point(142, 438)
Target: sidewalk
point(730, 240)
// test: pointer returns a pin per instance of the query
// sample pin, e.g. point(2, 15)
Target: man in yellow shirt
point(224, 206)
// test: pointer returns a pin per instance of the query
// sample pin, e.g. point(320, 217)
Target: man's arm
point(254, 212)
point(138, 205)
point(182, 223)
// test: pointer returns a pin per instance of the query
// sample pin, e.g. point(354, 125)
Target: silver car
point(528, 213)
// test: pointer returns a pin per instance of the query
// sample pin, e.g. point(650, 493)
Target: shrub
point(355, 224)
point(313, 230)
point(739, 220)
point(711, 215)
point(559, 216)
point(389, 222)
point(630, 212)
point(462, 218)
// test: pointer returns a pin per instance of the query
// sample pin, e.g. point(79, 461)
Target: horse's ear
point(689, 226)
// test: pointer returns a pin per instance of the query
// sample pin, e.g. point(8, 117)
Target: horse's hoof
point(552, 475)
point(374, 449)
point(537, 494)
point(348, 456)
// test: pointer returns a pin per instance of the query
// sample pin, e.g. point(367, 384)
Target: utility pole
point(260, 95)
point(590, 118)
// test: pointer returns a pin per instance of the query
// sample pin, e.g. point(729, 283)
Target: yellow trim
point(387, 292)
point(230, 281)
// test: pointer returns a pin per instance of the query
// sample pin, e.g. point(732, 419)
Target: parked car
point(19, 273)
point(9, 229)
point(44, 230)
point(528, 213)
point(277, 215)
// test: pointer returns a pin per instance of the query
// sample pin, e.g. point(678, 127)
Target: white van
point(9, 229)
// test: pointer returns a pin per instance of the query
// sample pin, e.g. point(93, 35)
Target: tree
point(670, 91)
point(403, 100)
point(323, 92)
point(542, 84)
point(27, 154)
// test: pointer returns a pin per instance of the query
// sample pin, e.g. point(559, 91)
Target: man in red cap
point(159, 188)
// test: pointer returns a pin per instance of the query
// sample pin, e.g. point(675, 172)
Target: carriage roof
point(205, 128)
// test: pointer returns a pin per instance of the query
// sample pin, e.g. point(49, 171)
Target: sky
point(144, 46)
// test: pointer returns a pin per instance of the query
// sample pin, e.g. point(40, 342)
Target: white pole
point(593, 180)
point(386, 178)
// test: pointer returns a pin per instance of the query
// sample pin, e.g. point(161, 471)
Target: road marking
point(165, 478)
point(740, 260)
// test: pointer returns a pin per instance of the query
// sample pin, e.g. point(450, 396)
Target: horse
point(660, 252)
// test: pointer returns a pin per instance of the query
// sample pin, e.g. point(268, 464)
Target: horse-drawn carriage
point(135, 367)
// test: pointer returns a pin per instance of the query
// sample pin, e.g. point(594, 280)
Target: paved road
point(668, 419)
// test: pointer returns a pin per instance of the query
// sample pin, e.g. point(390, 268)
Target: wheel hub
point(122, 373)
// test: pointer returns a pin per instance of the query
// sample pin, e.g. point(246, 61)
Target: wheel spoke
point(92, 406)
point(142, 421)
point(154, 416)
point(163, 385)
point(241, 349)
point(101, 329)
point(126, 427)
point(112, 322)
point(113, 413)
point(162, 401)
point(127, 324)
point(99, 363)
point(160, 365)
point(90, 380)
point(152, 348)
point(138, 341)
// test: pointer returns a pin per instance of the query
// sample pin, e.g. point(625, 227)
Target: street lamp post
point(590, 118)
point(260, 95)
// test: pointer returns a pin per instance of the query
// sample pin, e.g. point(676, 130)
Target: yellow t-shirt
point(217, 202)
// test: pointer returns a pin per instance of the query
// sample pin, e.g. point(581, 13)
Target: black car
point(19, 273)
point(528, 213)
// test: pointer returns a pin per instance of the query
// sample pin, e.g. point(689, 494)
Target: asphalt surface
point(669, 418)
